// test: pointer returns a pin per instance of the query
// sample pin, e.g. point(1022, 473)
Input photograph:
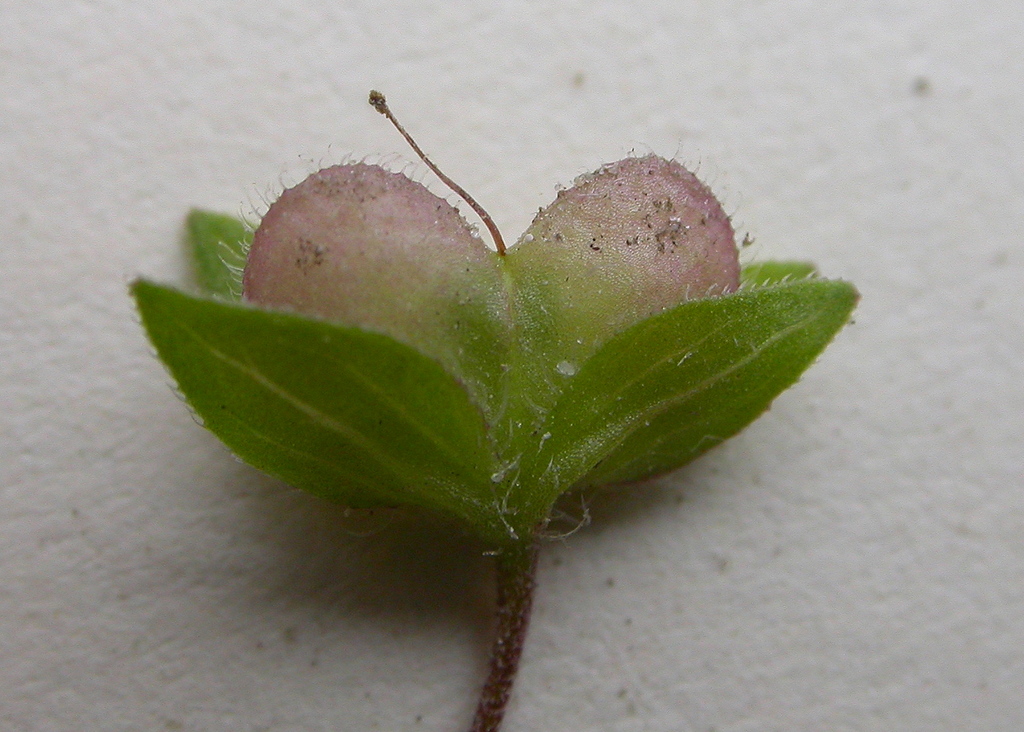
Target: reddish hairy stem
point(516, 569)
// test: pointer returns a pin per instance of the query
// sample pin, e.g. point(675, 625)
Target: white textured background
point(854, 561)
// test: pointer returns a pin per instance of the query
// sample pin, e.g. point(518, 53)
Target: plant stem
point(516, 569)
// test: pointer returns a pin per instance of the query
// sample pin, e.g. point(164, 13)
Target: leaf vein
point(628, 426)
point(317, 416)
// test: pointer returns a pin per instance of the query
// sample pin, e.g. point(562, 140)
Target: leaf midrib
point(628, 426)
point(322, 419)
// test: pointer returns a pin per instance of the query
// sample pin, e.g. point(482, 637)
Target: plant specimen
point(365, 345)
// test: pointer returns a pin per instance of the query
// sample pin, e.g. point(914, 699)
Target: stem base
point(516, 570)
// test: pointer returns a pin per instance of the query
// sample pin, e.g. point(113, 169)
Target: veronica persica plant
point(365, 345)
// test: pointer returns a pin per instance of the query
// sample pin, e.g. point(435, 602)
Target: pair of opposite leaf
point(376, 352)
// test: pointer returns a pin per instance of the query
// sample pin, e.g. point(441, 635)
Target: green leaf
point(361, 418)
point(219, 246)
point(765, 274)
point(344, 413)
point(659, 394)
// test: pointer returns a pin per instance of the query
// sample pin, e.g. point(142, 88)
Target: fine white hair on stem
point(561, 515)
